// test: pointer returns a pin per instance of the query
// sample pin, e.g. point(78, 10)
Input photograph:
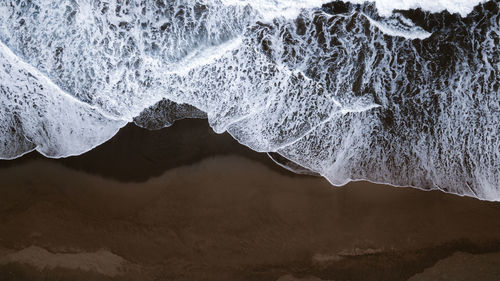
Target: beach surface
point(184, 203)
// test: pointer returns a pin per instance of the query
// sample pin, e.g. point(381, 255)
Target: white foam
point(290, 9)
point(397, 25)
point(386, 7)
point(270, 9)
point(203, 56)
point(347, 96)
point(37, 114)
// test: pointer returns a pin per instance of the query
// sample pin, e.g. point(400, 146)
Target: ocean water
point(398, 92)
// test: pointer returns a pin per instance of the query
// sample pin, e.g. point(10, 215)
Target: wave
point(36, 114)
point(462, 7)
point(349, 91)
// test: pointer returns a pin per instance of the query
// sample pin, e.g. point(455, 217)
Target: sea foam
point(462, 7)
point(347, 91)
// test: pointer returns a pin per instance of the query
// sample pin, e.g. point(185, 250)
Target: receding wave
point(370, 91)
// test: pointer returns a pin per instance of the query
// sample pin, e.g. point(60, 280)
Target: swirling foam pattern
point(347, 91)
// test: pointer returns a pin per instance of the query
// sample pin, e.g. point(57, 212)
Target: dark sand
point(186, 204)
point(136, 154)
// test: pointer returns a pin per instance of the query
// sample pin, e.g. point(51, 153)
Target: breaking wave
point(379, 91)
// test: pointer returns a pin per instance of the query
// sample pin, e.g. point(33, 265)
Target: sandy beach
point(184, 203)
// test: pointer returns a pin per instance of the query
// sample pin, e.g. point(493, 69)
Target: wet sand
point(136, 154)
point(186, 204)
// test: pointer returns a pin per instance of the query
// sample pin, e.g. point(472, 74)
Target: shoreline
point(136, 154)
point(218, 211)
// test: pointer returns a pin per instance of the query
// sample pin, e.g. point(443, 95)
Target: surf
point(402, 93)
